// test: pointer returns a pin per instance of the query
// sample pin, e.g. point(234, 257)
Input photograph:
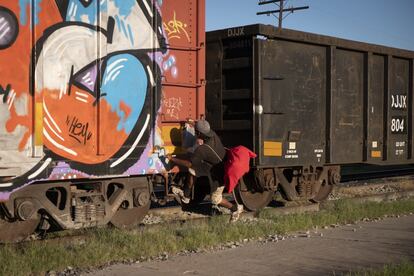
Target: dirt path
point(352, 247)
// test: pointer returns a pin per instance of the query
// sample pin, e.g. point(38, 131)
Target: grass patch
point(406, 268)
point(101, 246)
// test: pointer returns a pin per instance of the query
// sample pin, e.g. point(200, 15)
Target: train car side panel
point(292, 91)
point(410, 110)
point(20, 144)
point(397, 130)
point(347, 107)
point(376, 94)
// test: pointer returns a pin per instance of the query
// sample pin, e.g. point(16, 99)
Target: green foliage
point(405, 268)
point(100, 246)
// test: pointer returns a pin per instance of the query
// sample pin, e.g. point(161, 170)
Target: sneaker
point(177, 191)
point(236, 214)
point(215, 210)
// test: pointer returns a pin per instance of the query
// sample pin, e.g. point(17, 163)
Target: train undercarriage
point(123, 202)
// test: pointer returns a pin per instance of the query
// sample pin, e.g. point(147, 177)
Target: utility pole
point(281, 9)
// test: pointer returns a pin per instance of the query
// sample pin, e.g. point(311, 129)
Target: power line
point(280, 11)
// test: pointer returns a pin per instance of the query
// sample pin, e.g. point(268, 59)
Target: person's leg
point(185, 193)
point(218, 199)
point(188, 186)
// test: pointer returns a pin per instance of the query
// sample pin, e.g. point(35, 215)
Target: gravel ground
point(347, 190)
point(358, 189)
point(223, 248)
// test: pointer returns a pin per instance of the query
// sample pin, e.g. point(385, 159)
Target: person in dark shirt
point(207, 161)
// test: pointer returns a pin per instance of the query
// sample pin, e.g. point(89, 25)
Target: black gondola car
point(306, 104)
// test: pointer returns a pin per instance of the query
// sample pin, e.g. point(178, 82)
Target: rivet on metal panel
point(258, 109)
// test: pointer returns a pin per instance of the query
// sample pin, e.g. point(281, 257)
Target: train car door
point(128, 81)
point(290, 102)
point(376, 92)
point(22, 121)
point(347, 107)
point(66, 57)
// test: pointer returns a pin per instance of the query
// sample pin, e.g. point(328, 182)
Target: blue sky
point(384, 22)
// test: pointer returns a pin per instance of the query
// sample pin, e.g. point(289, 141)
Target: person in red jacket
point(207, 161)
point(236, 165)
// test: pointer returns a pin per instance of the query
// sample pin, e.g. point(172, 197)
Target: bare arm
point(180, 162)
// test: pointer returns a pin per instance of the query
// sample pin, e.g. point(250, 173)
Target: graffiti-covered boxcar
point(92, 93)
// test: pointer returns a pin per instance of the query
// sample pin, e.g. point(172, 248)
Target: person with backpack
point(208, 161)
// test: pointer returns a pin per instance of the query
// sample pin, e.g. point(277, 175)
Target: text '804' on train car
point(88, 89)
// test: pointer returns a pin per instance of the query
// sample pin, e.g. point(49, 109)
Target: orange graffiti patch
point(72, 129)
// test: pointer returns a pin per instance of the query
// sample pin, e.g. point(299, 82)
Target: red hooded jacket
point(236, 165)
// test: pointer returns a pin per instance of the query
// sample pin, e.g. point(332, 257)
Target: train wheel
point(17, 230)
point(324, 192)
point(128, 218)
point(334, 178)
point(252, 199)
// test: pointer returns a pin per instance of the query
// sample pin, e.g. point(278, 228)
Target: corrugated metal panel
point(355, 106)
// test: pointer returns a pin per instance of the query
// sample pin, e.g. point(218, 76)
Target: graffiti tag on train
point(78, 130)
point(176, 28)
point(173, 106)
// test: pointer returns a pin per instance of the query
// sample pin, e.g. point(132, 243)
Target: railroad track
point(375, 172)
point(385, 189)
point(373, 190)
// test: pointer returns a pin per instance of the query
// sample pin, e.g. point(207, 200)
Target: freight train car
point(92, 95)
point(306, 104)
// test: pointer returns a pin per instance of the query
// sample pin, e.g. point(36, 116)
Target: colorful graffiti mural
point(86, 84)
point(80, 87)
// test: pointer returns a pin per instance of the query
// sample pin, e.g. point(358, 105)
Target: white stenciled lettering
point(397, 125)
point(399, 101)
point(400, 144)
point(235, 32)
point(399, 152)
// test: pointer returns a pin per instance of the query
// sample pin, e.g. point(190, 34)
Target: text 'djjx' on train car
point(90, 93)
point(307, 103)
